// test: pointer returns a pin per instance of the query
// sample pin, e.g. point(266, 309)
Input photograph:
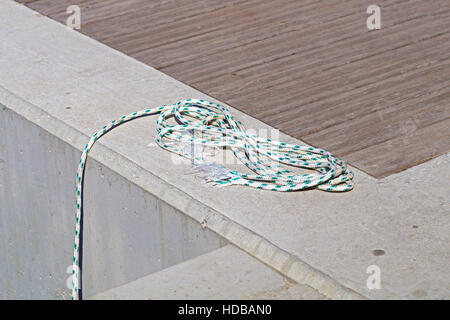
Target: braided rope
point(219, 129)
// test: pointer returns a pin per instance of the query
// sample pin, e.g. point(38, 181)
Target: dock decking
point(378, 99)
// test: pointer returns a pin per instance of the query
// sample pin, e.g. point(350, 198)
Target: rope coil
point(218, 129)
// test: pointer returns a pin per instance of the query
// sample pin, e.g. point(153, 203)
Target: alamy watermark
point(374, 20)
point(217, 155)
point(374, 280)
point(69, 281)
point(74, 20)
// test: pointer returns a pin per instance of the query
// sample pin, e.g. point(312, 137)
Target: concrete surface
point(128, 233)
point(225, 273)
point(326, 241)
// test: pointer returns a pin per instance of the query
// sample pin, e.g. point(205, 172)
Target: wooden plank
point(309, 68)
point(417, 147)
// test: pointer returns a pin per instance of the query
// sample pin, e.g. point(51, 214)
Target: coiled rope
point(218, 128)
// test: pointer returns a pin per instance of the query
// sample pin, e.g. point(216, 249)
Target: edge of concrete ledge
point(236, 268)
point(280, 260)
point(251, 242)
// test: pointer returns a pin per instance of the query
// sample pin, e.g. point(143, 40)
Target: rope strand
point(219, 129)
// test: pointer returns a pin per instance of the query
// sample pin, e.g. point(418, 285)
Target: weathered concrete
point(320, 239)
point(129, 233)
point(225, 273)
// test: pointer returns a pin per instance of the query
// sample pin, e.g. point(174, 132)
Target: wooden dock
point(379, 99)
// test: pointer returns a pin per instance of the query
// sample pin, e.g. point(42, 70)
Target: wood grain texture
point(379, 99)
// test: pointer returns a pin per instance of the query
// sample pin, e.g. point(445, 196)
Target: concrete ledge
point(70, 85)
point(128, 234)
point(42, 112)
point(105, 159)
point(225, 273)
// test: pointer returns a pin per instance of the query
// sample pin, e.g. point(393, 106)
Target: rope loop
point(211, 125)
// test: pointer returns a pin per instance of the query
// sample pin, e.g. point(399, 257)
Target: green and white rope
point(219, 129)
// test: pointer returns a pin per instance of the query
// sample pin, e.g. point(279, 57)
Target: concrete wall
point(128, 233)
point(323, 240)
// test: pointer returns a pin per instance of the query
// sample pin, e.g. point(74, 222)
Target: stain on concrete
point(378, 252)
point(419, 293)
